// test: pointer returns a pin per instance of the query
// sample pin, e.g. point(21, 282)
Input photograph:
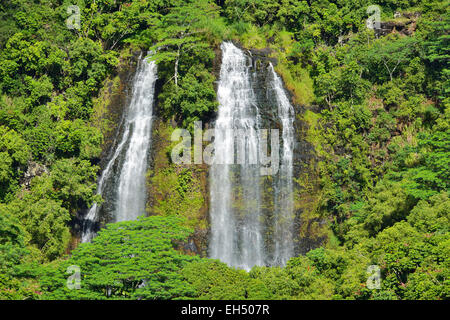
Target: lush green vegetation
point(378, 115)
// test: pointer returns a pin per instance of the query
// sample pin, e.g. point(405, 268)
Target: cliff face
point(310, 230)
point(184, 189)
point(177, 189)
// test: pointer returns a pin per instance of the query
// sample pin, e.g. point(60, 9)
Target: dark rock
point(406, 28)
point(34, 170)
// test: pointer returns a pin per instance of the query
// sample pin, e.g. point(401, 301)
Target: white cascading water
point(131, 193)
point(91, 217)
point(133, 148)
point(284, 201)
point(236, 237)
point(237, 222)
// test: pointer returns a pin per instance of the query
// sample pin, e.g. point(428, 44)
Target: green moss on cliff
point(177, 189)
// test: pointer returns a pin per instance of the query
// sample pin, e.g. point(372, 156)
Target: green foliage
point(183, 42)
point(12, 241)
point(388, 55)
point(214, 280)
point(73, 182)
point(14, 154)
point(73, 138)
point(434, 32)
point(431, 215)
point(133, 259)
point(380, 127)
point(45, 221)
point(13, 253)
point(193, 99)
point(177, 192)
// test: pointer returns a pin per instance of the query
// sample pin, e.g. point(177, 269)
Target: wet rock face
point(304, 157)
point(268, 108)
point(118, 100)
point(303, 153)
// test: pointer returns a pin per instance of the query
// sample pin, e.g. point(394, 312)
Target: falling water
point(284, 202)
point(236, 230)
point(240, 234)
point(131, 153)
point(131, 193)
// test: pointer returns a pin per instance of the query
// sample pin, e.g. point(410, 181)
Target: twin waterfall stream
point(244, 233)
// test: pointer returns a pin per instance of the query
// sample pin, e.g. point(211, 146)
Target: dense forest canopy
point(378, 114)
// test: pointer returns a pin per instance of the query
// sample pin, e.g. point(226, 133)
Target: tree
point(426, 166)
point(45, 221)
point(214, 280)
point(194, 98)
point(14, 154)
point(392, 53)
point(127, 260)
point(179, 32)
point(14, 254)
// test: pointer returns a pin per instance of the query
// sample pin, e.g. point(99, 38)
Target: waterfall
point(239, 231)
point(131, 153)
point(236, 232)
point(284, 202)
point(131, 195)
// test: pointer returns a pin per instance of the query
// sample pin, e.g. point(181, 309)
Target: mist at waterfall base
point(122, 182)
point(242, 233)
